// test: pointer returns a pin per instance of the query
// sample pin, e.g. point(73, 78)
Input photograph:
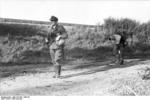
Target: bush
point(15, 39)
point(85, 37)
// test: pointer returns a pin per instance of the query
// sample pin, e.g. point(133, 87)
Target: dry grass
point(132, 86)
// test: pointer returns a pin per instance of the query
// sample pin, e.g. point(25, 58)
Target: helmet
point(53, 18)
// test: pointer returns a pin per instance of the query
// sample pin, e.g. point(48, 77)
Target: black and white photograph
point(74, 48)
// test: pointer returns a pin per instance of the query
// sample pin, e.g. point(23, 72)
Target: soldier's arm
point(63, 34)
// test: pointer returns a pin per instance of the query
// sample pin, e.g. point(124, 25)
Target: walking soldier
point(56, 39)
point(119, 43)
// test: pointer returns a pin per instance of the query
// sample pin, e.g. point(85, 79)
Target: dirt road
point(86, 78)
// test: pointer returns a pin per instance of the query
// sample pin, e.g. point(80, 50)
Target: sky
point(76, 11)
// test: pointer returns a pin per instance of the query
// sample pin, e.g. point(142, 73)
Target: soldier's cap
point(53, 18)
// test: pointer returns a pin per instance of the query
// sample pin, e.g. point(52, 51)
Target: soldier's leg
point(58, 60)
point(117, 56)
point(121, 60)
point(52, 53)
point(58, 68)
point(116, 53)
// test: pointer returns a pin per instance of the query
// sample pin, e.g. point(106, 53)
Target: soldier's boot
point(117, 59)
point(57, 71)
point(121, 62)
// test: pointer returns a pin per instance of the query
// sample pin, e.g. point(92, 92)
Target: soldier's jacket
point(119, 40)
point(56, 30)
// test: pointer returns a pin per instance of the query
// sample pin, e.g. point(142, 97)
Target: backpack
point(117, 38)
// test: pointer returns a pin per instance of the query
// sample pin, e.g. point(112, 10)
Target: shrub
point(15, 39)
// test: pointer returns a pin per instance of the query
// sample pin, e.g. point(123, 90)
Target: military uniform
point(119, 44)
point(56, 50)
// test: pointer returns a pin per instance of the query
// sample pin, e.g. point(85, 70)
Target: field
point(26, 68)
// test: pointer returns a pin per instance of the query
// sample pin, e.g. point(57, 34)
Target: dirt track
point(90, 78)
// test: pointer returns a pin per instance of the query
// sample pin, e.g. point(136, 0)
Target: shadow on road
point(102, 66)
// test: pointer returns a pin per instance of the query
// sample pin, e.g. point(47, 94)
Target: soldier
point(56, 39)
point(119, 42)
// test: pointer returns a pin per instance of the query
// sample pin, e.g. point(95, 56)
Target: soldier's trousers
point(118, 53)
point(57, 56)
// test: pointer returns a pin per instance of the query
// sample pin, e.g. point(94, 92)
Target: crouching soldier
point(119, 43)
point(56, 39)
